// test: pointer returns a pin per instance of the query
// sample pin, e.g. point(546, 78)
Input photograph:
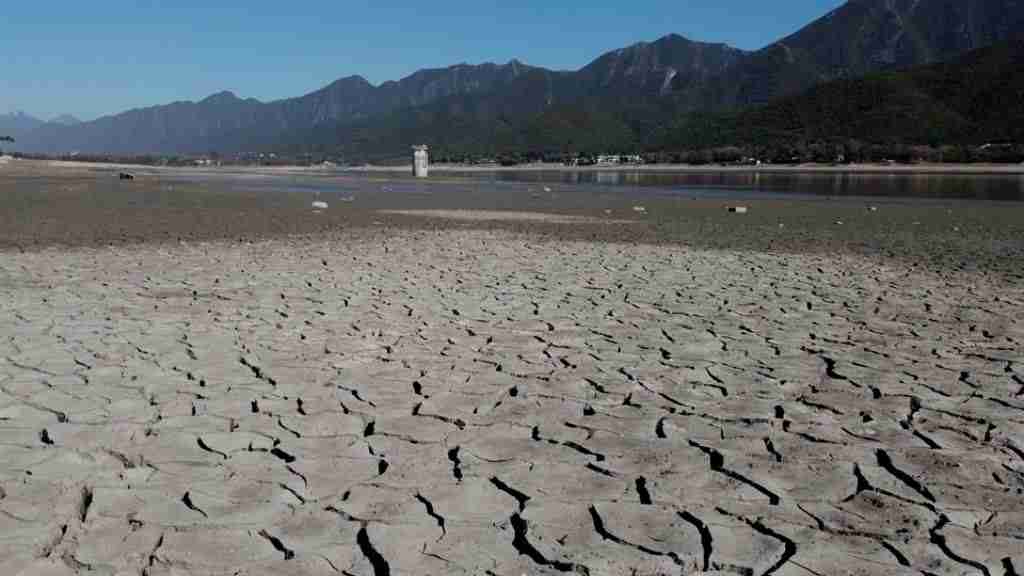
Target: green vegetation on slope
point(976, 99)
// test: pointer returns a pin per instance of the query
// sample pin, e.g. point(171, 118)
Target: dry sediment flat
point(403, 401)
point(45, 206)
point(502, 216)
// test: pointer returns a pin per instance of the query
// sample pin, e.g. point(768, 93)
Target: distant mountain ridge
point(17, 124)
point(648, 82)
point(223, 121)
point(65, 120)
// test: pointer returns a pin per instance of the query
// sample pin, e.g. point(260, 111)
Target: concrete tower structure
point(420, 162)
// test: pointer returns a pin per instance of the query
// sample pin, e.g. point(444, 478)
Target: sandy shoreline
point(468, 401)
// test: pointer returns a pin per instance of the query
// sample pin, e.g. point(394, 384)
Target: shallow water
point(964, 186)
point(988, 187)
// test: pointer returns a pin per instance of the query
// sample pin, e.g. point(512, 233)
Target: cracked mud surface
point(482, 402)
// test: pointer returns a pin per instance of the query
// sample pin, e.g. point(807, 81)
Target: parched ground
point(411, 401)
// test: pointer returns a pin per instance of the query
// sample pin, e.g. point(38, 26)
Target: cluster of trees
point(822, 151)
point(140, 160)
point(841, 152)
point(184, 160)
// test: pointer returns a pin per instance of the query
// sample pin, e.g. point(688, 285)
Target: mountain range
point(18, 124)
point(634, 90)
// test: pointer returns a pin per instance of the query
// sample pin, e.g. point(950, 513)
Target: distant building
point(616, 159)
point(420, 162)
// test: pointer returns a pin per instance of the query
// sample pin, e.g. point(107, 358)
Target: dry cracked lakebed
point(486, 403)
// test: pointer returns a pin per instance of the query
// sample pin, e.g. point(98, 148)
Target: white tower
point(420, 161)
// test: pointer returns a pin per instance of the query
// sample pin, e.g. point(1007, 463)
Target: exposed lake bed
point(205, 375)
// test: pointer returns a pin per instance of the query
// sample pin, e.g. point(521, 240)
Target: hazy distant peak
point(20, 115)
point(672, 42)
point(671, 39)
point(353, 80)
point(16, 124)
point(66, 120)
point(222, 97)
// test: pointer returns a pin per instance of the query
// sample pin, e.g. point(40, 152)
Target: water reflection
point(998, 187)
point(973, 186)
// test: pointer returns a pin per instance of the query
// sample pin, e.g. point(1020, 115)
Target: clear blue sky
point(91, 58)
